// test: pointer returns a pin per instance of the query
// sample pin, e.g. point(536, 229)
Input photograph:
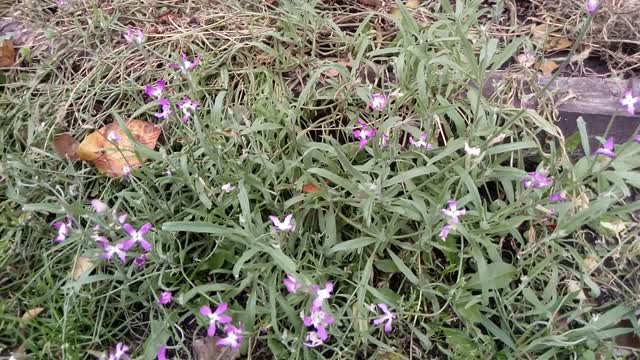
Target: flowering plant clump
point(326, 183)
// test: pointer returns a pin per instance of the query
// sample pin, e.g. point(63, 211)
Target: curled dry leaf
point(111, 150)
point(542, 35)
point(310, 189)
point(32, 314)
point(7, 54)
point(66, 146)
point(547, 66)
point(82, 265)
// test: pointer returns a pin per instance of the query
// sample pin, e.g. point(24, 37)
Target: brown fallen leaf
point(82, 265)
point(66, 146)
point(547, 66)
point(32, 314)
point(167, 17)
point(7, 54)
point(542, 35)
point(111, 150)
point(19, 353)
point(310, 189)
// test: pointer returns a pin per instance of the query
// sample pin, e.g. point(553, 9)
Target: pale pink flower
point(378, 101)
point(187, 106)
point(227, 187)
point(155, 91)
point(137, 236)
point(233, 339)
point(134, 35)
point(63, 229)
point(452, 212)
point(110, 250)
point(186, 65)
point(292, 284)
point(421, 143)
point(592, 6)
point(364, 133)
point(630, 102)
point(165, 298)
point(537, 180)
point(215, 317)
point(445, 231)
point(607, 148)
point(320, 320)
point(288, 224)
point(162, 353)
point(113, 137)
point(321, 294)
point(313, 339)
point(387, 318)
point(165, 104)
point(119, 353)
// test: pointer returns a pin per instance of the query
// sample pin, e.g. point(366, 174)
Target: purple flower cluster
point(186, 105)
point(135, 236)
point(233, 334)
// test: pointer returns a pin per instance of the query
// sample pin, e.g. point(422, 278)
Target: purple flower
point(165, 298)
point(126, 172)
point(445, 231)
point(120, 218)
point(364, 134)
point(113, 137)
point(186, 65)
point(95, 235)
point(319, 319)
point(166, 109)
point(134, 36)
point(162, 353)
point(387, 318)
point(233, 339)
point(137, 236)
point(384, 140)
point(120, 352)
point(187, 105)
point(291, 284)
point(288, 224)
point(557, 197)
point(61, 2)
point(592, 7)
point(537, 180)
point(321, 294)
point(63, 229)
point(607, 149)
point(155, 91)
point(453, 213)
point(313, 339)
point(422, 142)
point(378, 101)
point(630, 101)
point(215, 317)
point(110, 250)
point(637, 139)
point(141, 260)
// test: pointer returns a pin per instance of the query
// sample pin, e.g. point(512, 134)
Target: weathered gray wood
point(576, 94)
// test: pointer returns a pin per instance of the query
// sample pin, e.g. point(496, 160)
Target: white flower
point(471, 151)
point(227, 187)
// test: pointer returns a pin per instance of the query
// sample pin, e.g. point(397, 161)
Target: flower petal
point(129, 229)
point(205, 310)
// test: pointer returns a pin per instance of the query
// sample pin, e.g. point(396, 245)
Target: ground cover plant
point(328, 182)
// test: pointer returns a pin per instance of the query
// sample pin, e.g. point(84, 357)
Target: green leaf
point(202, 290)
point(43, 207)
point(353, 244)
point(403, 268)
point(410, 174)
point(497, 275)
point(386, 265)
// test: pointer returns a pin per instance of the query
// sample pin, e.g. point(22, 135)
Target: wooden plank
point(580, 95)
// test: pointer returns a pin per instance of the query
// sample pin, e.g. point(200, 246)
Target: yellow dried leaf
point(31, 314)
point(591, 263)
point(412, 4)
point(111, 150)
point(547, 66)
point(82, 265)
point(558, 43)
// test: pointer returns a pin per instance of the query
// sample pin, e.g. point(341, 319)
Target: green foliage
point(273, 118)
